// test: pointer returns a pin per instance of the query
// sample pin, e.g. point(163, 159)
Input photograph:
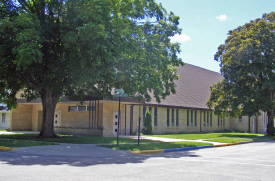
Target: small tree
point(148, 129)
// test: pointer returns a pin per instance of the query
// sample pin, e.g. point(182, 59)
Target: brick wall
point(21, 118)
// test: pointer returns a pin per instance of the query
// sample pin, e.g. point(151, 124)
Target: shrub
point(148, 129)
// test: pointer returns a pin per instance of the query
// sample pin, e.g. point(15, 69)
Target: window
point(143, 113)
point(150, 109)
point(211, 119)
point(168, 121)
point(81, 108)
point(191, 118)
point(172, 119)
point(156, 117)
point(3, 117)
point(187, 117)
point(207, 119)
point(177, 118)
point(223, 120)
point(218, 120)
point(204, 119)
point(195, 118)
point(72, 108)
point(240, 118)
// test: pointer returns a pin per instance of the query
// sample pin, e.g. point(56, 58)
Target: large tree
point(247, 61)
point(50, 48)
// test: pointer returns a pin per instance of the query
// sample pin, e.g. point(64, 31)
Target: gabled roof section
point(192, 88)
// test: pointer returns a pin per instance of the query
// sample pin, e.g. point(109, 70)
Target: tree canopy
point(247, 61)
point(50, 48)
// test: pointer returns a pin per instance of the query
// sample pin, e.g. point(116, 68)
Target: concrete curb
point(3, 148)
point(187, 148)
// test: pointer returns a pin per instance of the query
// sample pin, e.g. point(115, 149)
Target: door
point(57, 118)
point(115, 123)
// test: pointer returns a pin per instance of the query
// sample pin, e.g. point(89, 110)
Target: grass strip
point(236, 140)
point(214, 135)
point(23, 143)
point(71, 139)
point(155, 146)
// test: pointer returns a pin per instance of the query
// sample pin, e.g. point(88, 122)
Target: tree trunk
point(270, 123)
point(49, 101)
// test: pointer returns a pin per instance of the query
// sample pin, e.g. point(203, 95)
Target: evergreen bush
point(148, 129)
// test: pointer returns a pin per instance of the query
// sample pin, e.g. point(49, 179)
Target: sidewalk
point(169, 139)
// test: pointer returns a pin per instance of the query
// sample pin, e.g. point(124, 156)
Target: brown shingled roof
point(192, 88)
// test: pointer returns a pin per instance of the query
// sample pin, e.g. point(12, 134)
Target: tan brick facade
point(29, 117)
point(21, 118)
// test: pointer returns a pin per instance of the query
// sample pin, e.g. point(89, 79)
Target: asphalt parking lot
point(253, 161)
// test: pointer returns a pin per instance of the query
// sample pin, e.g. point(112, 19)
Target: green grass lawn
point(23, 143)
point(218, 137)
point(154, 146)
point(71, 139)
point(3, 130)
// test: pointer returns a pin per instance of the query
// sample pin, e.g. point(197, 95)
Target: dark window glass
point(187, 117)
point(195, 118)
point(204, 118)
point(81, 108)
point(191, 118)
point(168, 121)
point(156, 117)
point(177, 118)
point(172, 119)
point(72, 108)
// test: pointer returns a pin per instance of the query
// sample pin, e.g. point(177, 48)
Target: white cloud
point(180, 38)
point(222, 17)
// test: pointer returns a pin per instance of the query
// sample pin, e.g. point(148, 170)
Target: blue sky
point(205, 24)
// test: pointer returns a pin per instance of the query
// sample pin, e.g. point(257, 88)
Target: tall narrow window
point(218, 120)
point(150, 109)
point(191, 120)
point(172, 119)
point(156, 117)
point(177, 117)
point(240, 118)
point(168, 120)
point(204, 119)
point(143, 113)
point(211, 119)
point(187, 117)
point(3, 117)
point(207, 118)
point(195, 118)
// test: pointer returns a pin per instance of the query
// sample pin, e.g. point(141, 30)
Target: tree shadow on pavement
point(74, 155)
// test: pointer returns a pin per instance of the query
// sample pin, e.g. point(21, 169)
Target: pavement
point(71, 162)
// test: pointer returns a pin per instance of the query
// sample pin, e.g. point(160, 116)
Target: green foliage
point(247, 65)
point(148, 129)
point(77, 48)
